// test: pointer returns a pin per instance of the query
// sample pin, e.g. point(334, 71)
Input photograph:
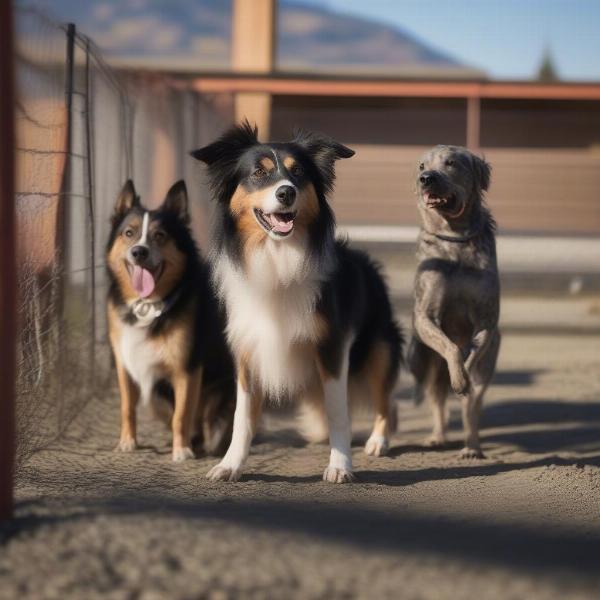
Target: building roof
point(289, 84)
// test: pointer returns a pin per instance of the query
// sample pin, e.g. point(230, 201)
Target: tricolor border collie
point(166, 327)
point(308, 317)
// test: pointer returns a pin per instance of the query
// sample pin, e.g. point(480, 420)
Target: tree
point(547, 71)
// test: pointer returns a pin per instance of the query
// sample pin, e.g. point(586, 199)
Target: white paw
point(434, 441)
point(222, 472)
point(377, 445)
point(335, 475)
point(182, 454)
point(126, 445)
point(469, 453)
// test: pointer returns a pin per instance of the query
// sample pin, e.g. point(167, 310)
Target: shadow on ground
point(480, 542)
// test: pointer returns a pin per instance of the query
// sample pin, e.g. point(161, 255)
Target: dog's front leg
point(431, 334)
point(247, 412)
point(335, 391)
point(479, 345)
point(129, 393)
point(187, 394)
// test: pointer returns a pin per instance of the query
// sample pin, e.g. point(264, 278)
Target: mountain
point(194, 35)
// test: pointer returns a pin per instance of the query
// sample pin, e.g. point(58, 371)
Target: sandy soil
point(522, 523)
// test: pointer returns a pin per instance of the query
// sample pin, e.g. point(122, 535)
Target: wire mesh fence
point(82, 130)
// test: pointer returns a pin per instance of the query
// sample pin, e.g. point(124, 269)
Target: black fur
point(356, 299)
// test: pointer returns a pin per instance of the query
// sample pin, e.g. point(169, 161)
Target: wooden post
point(8, 278)
point(473, 122)
point(253, 52)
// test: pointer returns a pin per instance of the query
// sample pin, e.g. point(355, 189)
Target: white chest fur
point(272, 319)
point(140, 358)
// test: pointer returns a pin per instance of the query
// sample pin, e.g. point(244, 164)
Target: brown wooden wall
point(533, 190)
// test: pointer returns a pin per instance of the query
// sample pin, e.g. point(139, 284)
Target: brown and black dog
point(165, 325)
point(457, 290)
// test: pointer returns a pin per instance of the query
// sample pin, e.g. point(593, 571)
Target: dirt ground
point(522, 523)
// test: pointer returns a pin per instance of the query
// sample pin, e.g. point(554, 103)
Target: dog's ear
point(321, 147)
point(127, 199)
point(324, 151)
point(176, 201)
point(229, 146)
point(483, 171)
point(223, 155)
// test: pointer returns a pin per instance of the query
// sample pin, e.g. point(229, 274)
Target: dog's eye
point(159, 236)
point(449, 162)
point(128, 233)
point(421, 167)
point(297, 171)
point(259, 173)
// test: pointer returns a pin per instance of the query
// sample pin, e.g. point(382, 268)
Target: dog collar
point(147, 311)
point(460, 239)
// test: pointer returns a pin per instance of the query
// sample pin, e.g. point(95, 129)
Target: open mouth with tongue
point(448, 205)
point(279, 223)
point(144, 279)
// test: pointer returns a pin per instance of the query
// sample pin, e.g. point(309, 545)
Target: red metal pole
point(8, 279)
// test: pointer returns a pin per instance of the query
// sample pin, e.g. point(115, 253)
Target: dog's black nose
point(427, 178)
point(140, 252)
point(286, 194)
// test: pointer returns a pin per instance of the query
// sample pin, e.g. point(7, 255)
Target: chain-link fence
point(82, 130)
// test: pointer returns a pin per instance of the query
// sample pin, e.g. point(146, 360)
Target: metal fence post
point(66, 183)
point(62, 228)
point(8, 279)
point(91, 202)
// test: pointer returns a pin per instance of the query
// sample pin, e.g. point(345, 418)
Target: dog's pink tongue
point(143, 282)
point(280, 225)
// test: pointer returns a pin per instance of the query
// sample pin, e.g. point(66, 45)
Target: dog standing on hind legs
point(457, 290)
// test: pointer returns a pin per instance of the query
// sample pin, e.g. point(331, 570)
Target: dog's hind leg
point(435, 390)
point(187, 392)
point(418, 358)
point(482, 371)
point(471, 411)
point(312, 418)
point(378, 375)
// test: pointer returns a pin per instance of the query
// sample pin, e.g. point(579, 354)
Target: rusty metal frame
point(8, 267)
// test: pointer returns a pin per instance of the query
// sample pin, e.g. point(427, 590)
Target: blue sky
point(504, 37)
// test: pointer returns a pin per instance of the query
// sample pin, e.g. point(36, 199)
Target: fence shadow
point(481, 542)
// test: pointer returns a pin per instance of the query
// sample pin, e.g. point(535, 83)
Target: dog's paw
point(377, 445)
point(470, 453)
point(182, 454)
point(459, 380)
point(434, 441)
point(335, 475)
point(222, 472)
point(126, 445)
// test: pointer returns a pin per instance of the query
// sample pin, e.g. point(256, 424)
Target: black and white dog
point(308, 317)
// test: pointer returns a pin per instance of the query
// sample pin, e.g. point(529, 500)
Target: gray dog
point(457, 291)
